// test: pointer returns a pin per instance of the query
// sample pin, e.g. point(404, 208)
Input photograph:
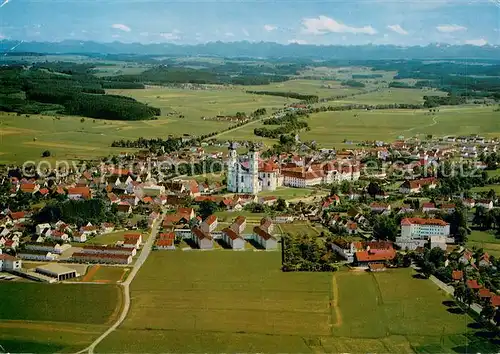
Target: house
point(484, 261)
point(40, 228)
point(77, 193)
point(469, 203)
point(495, 301)
point(124, 208)
point(132, 240)
point(18, 217)
point(187, 213)
point(166, 241)
point(89, 230)
point(380, 207)
point(437, 241)
point(79, 237)
point(9, 263)
point(485, 203)
point(473, 284)
point(107, 227)
point(447, 207)
point(415, 232)
point(429, 208)
point(209, 224)
point(233, 239)
point(351, 227)
point(202, 239)
point(365, 258)
point(416, 186)
point(283, 219)
point(467, 257)
point(262, 235)
point(239, 225)
point(457, 275)
point(59, 236)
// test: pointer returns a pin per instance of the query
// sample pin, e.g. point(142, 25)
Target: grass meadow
point(50, 318)
point(228, 301)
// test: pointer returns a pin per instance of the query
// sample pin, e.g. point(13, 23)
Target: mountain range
point(258, 50)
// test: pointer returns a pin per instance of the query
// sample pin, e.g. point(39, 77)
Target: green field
point(288, 193)
point(113, 237)
point(241, 302)
point(38, 317)
point(320, 88)
point(487, 188)
point(392, 95)
point(485, 240)
point(332, 128)
point(26, 137)
point(298, 228)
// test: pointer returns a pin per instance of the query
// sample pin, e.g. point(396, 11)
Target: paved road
point(146, 250)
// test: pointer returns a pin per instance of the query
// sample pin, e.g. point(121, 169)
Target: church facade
point(248, 175)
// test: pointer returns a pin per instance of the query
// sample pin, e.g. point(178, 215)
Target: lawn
point(241, 302)
point(485, 240)
point(103, 274)
point(298, 228)
point(288, 193)
point(487, 188)
point(113, 237)
point(50, 318)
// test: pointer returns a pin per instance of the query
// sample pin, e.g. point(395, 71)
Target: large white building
point(245, 176)
point(415, 232)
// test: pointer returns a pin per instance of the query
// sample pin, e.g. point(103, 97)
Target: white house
point(415, 232)
point(40, 228)
point(8, 262)
point(203, 240)
point(239, 225)
point(233, 239)
point(79, 237)
point(209, 224)
point(485, 203)
point(264, 238)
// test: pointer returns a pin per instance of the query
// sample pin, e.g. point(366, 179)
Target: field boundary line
point(334, 303)
point(91, 273)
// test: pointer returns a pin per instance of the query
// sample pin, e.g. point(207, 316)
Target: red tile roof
point(258, 230)
point(375, 256)
point(485, 292)
point(132, 236)
point(167, 236)
point(211, 219)
point(83, 191)
point(232, 235)
point(165, 242)
point(421, 221)
point(473, 284)
point(240, 220)
point(200, 234)
point(17, 215)
point(457, 275)
point(495, 300)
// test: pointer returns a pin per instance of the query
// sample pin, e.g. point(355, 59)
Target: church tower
point(232, 169)
point(254, 169)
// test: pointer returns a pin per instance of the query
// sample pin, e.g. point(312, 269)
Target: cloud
point(245, 32)
point(170, 36)
point(144, 34)
point(297, 41)
point(229, 34)
point(323, 25)
point(121, 27)
point(479, 42)
point(2, 36)
point(450, 28)
point(270, 28)
point(5, 2)
point(115, 36)
point(397, 29)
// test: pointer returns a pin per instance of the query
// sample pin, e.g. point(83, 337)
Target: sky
point(323, 22)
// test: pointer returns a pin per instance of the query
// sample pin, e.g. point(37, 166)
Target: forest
point(298, 96)
point(66, 88)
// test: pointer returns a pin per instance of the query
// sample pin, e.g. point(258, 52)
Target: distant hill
point(259, 50)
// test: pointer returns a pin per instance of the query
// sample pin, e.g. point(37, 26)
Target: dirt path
point(91, 273)
point(334, 303)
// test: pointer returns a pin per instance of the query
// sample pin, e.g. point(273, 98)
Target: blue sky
point(417, 22)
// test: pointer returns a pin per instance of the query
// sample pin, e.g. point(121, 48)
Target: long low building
point(37, 255)
point(107, 258)
point(109, 250)
point(57, 271)
point(47, 247)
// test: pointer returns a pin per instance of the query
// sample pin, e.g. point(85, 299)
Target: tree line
point(298, 96)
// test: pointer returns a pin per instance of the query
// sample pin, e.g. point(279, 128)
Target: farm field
point(38, 317)
point(240, 301)
point(320, 88)
point(332, 128)
point(298, 228)
point(485, 240)
point(392, 95)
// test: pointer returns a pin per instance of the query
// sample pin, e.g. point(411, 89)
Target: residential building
point(8, 262)
point(233, 239)
point(415, 186)
point(415, 232)
point(202, 239)
point(209, 224)
point(166, 241)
